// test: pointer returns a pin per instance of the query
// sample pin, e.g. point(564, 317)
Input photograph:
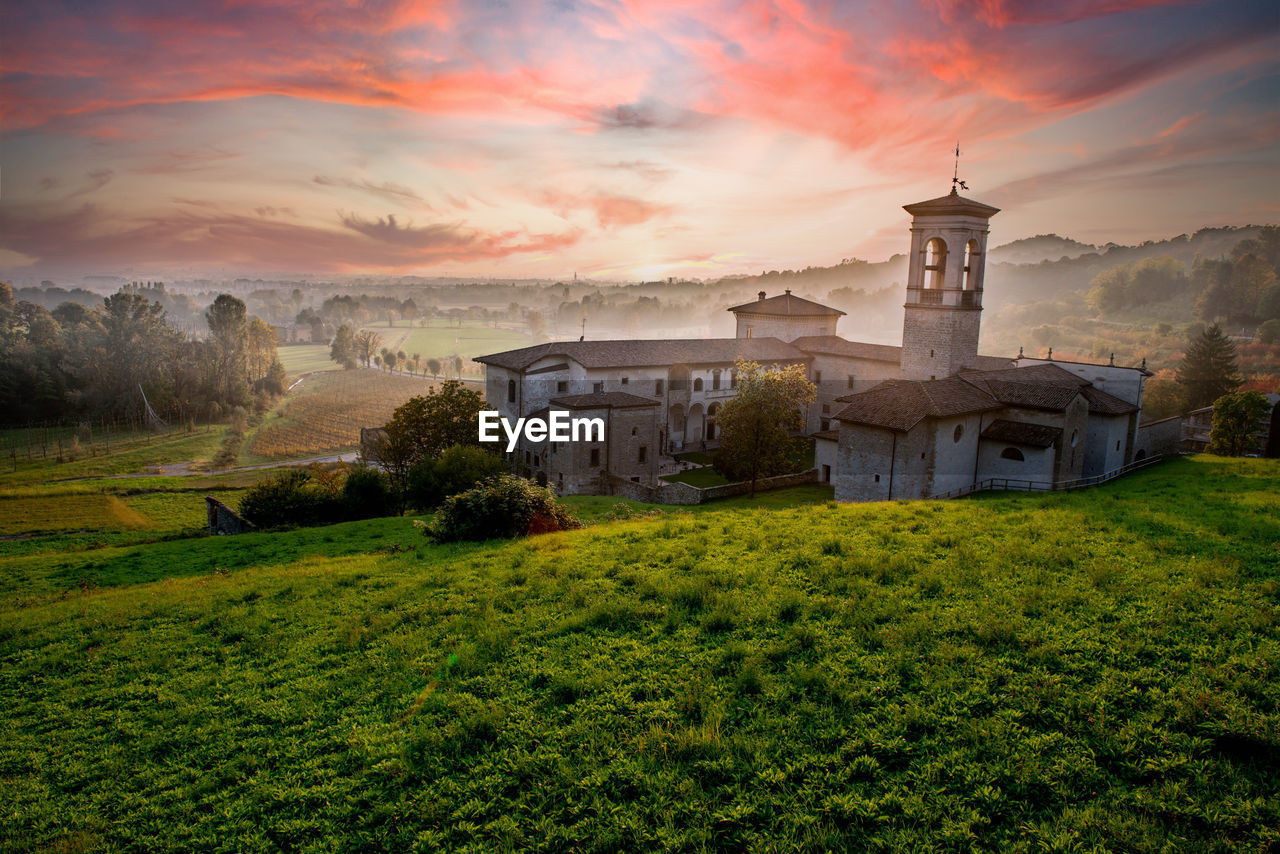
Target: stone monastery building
point(917, 421)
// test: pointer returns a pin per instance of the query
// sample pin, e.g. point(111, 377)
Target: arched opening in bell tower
point(971, 264)
point(935, 263)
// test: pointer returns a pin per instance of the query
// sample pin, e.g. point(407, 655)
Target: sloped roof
point(902, 404)
point(603, 400)
point(951, 204)
point(788, 305)
point(834, 345)
point(1021, 433)
point(1106, 404)
point(1037, 387)
point(621, 354)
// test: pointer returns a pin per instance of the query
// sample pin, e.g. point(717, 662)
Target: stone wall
point(223, 520)
point(1158, 438)
point(684, 494)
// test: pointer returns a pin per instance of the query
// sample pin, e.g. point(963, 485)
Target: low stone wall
point(1158, 438)
point(224, 520)
point(682, 493)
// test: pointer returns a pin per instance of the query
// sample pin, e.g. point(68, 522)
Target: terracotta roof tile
point(1021, 433)
point(788, 305)
point(620, 354)
point(902, 404)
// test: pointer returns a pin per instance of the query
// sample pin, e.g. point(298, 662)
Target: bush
point(290, 498)
point(458, 469)
point(367, 494)
point(1269, 332)
point(504, 506)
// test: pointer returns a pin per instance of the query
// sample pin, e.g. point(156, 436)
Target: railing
point(1016, 484)
point(929, 297)
point(969, 299)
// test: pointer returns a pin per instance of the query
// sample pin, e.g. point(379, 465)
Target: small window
point(595, 456)
point(1012, 454)
point(624, 380)
point(1117, 444)
point(657, 388)
point(850, 382)
point(826, 409)
point(562, 387)
point(635, 478)
point(922, 455)
point(597, 387)
point(697, 384)
point(826, 474)
point(511, 391)
point(877, 478)
point(930, 354)
point(643, 452)
point(826, 424)
point(733, 379)
point(634, 430)
point(715, 380)
point(959, 431)
point(750, 331)
point(1075, 437)
point(817, 377)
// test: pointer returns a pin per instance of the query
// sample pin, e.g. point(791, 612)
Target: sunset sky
point(615, 138)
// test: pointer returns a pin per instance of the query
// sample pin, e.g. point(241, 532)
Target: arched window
point(697, 384)
point(1012, 454)
point(935, 263)
point(971, 265)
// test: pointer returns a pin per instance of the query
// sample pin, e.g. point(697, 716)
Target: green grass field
point(473, 340)
point(125, 454)
point(1094, 670)
point(303, 358)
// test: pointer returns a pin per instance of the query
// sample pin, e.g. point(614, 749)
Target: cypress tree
point(1209, 369)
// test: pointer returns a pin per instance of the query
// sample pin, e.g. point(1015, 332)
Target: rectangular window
point(511, 391)
point(562, 387)
point(826, 409)
point(657, 387)
point(826, 474)
point(598, 387)
point(643, 451)
point(595, 456)
point(877, 478)
point(850, 385)
point(817, 377)
point(624, 380)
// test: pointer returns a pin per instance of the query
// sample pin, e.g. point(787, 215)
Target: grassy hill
point(1021, 672)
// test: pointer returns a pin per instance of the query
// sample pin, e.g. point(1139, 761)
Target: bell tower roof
point(952, 204)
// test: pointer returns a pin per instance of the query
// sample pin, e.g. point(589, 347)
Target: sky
point(618, 139)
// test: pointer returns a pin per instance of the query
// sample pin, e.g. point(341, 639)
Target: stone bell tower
point(944, 286)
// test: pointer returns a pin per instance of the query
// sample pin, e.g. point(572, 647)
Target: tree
point(458, 469)
point(1162, 397)
point(1209, 369)
point(425, 425)
point(1109, 290)
point(343, 349)
point(1269, 332)
point(503, 506)
point(1235, 421)
point(228, 366)
point(756, 424)
point(433, 365)
point(366, 345)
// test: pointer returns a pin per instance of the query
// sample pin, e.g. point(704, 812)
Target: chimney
point(788, 291)
point(762, 296)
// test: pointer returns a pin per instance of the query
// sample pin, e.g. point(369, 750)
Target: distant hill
point(1042, 247)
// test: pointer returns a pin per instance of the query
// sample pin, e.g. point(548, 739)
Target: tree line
point(124, 358)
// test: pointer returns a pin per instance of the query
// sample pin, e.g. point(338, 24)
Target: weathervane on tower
point(955, 176)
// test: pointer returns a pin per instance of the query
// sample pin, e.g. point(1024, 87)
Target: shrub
point(289, 498)
point(501, 507)
point(458, 469)
point(367, 494)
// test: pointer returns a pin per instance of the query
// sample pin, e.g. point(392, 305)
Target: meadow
point(301, 359)
point(442, 338)
point(1093, 670)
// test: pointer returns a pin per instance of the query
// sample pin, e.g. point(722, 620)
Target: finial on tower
point(1019, 351)
point(1050, 354)
point(955, 176)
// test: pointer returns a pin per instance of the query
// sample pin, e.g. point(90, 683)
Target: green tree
point(227, 319)
point(343, 348)
point(433, 365)
point(1155, 280)
point(1109, 290)
point(458, 469)
point(756, 425)
point(1209, 369)
point(423, 426)
point(1236, 419)
point(1269, 332)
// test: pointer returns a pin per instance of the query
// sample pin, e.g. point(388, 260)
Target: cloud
point(98, 179)
point(385, 190)
point(609, 209)
point(89, 237)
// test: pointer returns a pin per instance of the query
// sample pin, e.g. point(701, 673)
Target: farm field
point(121, 453)
point(303, 358)
point(1094, 670)
point(325, 413)
point(437, 340)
